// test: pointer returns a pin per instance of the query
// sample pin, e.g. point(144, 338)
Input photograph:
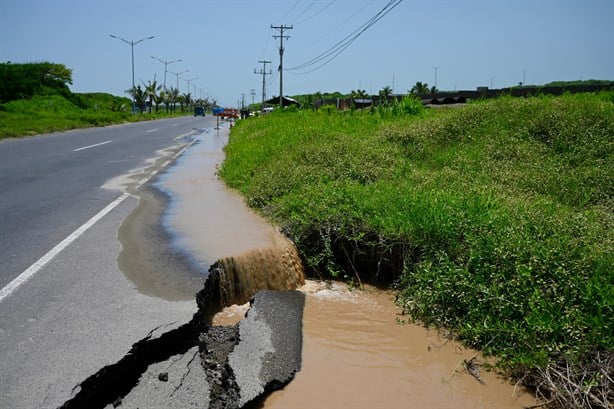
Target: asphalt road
point(78, 312)
point(51, 184)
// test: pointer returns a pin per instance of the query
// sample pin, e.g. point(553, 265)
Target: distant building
point(286, 101)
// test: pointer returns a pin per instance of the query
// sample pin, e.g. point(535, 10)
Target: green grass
point(496, 219)
point(52, 113)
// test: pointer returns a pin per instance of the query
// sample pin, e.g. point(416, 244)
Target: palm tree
point(181, 100)
point(163, 98)
point(151, 90)
point(385, 93)
point(173, 97)
point(420, 88)
point(360, 93)
point(138, 96)
point(187, 99)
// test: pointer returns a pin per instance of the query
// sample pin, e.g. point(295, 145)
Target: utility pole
point(281, 37)
point(252, 92)
point(435, 68)
point(264, 73)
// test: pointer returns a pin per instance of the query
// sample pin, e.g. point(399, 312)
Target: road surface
point(66, 308)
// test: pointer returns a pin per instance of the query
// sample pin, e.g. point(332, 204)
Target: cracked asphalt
point(92, 320)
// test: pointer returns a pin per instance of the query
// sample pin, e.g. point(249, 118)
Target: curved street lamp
point(190, 80)
point(178, 74)
point(166, 63)
point(132, 43)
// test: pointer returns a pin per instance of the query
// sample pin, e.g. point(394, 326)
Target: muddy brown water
point(355, 353)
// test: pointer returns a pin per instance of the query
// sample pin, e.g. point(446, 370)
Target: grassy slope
point(52, 113)
point(501, 213)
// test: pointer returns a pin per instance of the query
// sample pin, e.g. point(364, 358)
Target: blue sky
point(471, 42)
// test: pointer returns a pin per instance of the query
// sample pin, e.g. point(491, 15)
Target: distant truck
point(226, 112)
point(198, 110)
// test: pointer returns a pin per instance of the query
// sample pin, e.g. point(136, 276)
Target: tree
point(420, 88)
point(173, 96)
point(187, 100)
point(138, 96)
point(181, 100)
point(385, 93)
point(23, 81)
point(151, 90)
point(360, 93)
point(163, 98)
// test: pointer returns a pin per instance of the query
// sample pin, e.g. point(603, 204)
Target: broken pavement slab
point(178, 382)
point(268, 353)
point(195, 365)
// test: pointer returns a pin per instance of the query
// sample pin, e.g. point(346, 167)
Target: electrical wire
point(306, 9)
point(290, 11)
point(334, 51)
point(338, 26)
point(340, 46)
point(316, 13)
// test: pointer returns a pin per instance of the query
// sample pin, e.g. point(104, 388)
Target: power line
point(306, 9)
point(330, 54)
point(290, 11)
point(330, 3)
point(336, 27)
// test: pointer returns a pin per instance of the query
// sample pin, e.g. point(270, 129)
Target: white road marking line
point(36, 267)
point(164, 165)
point(184, 135)
point(91, 146)
point(152, 130)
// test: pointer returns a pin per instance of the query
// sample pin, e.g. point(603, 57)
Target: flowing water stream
point(355, 353)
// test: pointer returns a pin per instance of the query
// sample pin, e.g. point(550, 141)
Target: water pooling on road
point(354, 352)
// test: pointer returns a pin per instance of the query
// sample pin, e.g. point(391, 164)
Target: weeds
point(495, 220)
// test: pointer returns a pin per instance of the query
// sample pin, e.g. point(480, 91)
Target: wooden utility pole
point(281, 37)
point(264, 73)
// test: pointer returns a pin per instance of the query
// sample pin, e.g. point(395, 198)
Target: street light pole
point(132, 43)
point(190, 80)
point(178, 74)
point(166, 63)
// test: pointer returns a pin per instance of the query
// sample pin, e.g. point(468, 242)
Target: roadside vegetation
point(35, 98)
point(494, 221)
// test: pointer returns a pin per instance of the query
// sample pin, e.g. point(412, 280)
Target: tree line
point(152, 95)
point(23, 81)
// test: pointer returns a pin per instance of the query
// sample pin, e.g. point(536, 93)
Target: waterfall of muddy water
point(275, 268)
point(355, 355)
